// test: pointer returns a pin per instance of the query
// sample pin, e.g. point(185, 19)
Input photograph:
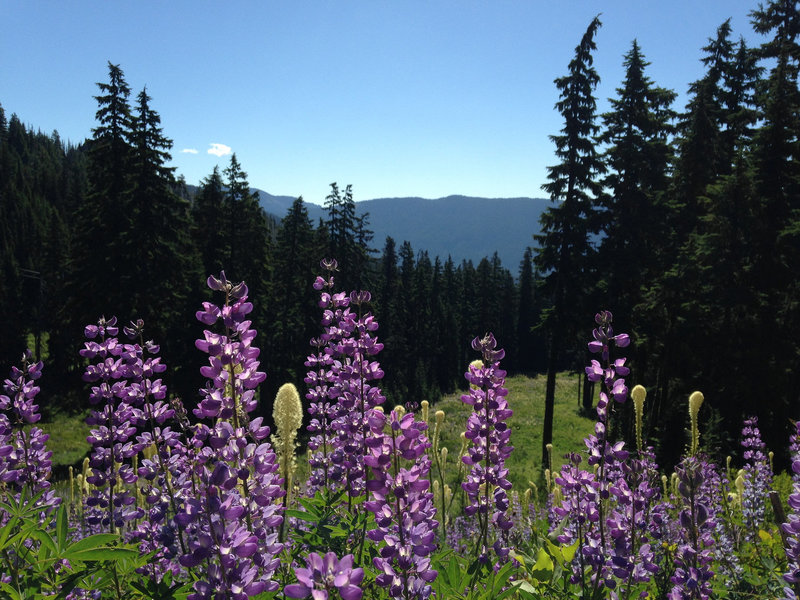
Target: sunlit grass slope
point(526, 399)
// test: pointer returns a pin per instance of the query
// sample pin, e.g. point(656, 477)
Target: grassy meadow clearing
point(525, 396)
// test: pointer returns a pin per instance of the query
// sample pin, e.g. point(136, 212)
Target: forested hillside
point(683, 221)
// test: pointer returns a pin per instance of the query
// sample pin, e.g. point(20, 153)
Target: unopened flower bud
point(739, 483)
point(558, 497)
point(638, 393)
point(425, 407)
point(439, 416)
point(695, 401)
point(287, 410)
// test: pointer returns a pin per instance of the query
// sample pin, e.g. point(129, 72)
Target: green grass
point(526, 399)
point(67, 441)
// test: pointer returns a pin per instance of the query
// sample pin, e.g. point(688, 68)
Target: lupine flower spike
point(487, 484)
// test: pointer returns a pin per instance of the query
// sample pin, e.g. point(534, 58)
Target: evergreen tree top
point(575, 174)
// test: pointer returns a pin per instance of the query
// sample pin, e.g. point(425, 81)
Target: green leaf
point(100, 553)
point(543, 569)
point(523, 586)
point(48, 546)
point(302, 515)
point(10, 591)
point(500, 580)
point(562, 554)
point(5, 532)
point(62, 527)
point(93, 541)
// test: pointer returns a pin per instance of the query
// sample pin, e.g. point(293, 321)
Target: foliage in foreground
point(207, 506)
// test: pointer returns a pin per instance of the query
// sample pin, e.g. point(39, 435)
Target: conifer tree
point(208, 212)
point(452, 368)
point(248, 237)
point(158, 246)
point(294, 310)
point(101, 275)
point(565, 250)
point(386, 300)
point(776, 231)
point(637, 134)
point(348, 236)
point(531, 357)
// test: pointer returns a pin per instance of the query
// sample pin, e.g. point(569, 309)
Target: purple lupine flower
point(489, 433)
point(402, 504)
point(588, 492)
point(325, 574)
point(632, 556)
point(694, 555)
point(327, 471)
point(232, 510)
point(24, 459)
point(116, 373)
point(757, 479)
point(791, 529)
point(355, 372)
point(715, 493)
point(462, 533)
point(341, 387)
point(613, 511)
point(164, 452)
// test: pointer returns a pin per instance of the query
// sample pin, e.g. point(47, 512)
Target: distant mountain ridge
point(462, 227)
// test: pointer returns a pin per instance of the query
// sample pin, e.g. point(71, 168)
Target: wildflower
point(695, 401)
point(638, 393)
point(402, 504)
point(693, 557)
point(325, 574)
point(791, 528)
point(234, 511)
point(287, 412)
point(490, 434)
point(757, 478)
point(118, 375)
point(25, 462)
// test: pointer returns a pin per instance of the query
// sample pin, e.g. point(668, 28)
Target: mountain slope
point(458, 226)
point(463, 227)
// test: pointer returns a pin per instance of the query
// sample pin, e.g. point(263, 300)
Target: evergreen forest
point(683, 221)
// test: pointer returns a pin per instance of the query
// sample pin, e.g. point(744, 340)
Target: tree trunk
point(549, 400)
point(588, 394)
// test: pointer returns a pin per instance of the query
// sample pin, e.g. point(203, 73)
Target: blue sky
point(398, 98)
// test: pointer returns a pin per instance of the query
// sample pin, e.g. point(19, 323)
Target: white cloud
point(219, 149)
point(189, 151)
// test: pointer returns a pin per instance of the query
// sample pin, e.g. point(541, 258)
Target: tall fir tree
point(294, 313)
point(100, 274)
point(565, 251)
point(776, 159)
point(348, 237)
point(208, 216)
point(531, 358)
point(248, 232)
point(159, 246)
point(636, 133)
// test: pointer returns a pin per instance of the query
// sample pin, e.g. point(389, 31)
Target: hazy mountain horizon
point(462, 227)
